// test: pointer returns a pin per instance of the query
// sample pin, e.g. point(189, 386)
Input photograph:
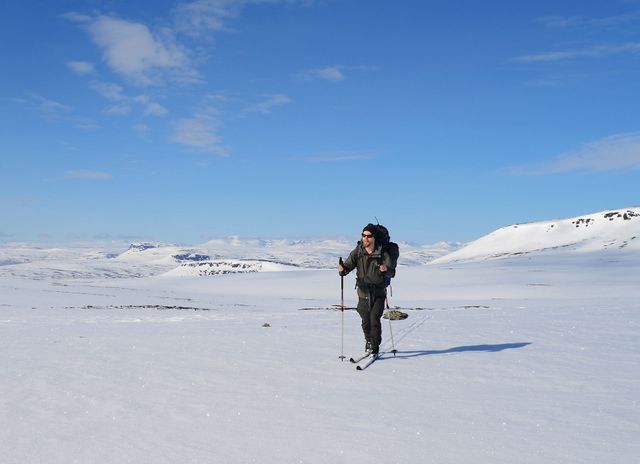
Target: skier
point(374, 267)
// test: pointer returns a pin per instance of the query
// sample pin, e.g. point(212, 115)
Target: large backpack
point(383, 238)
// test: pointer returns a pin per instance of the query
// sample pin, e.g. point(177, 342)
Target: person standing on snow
point(374, 266)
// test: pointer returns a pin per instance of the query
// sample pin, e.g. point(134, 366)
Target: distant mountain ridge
point(215, 257)
point(609, 231)
point(319, 254)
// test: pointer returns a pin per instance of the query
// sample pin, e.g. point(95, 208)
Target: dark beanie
point(370, 228)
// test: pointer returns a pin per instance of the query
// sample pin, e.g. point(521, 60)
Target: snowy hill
point(221, 267)
point(214, 257)
point(610, 231)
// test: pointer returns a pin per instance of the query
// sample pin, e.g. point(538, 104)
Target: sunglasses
point(367, 235)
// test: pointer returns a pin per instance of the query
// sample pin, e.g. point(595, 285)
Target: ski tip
point(358, 368)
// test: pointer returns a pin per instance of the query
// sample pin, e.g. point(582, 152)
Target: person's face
point(368, 239)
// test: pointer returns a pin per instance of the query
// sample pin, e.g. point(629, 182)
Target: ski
point(373, 358)
point(357, 360)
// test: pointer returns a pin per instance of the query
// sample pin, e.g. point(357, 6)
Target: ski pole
point(342, 356)
point(393, 343)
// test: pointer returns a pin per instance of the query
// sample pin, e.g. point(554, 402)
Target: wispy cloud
point(87, 174)
point(85, 123)
point(76, 17)
point(150, 107)
point(341, 156)
point(199, 132)
point(142, 130)
point(108, 90)
point(265, 106)
point(330, 73)
point(590, 52)
point(55, 112)
point(584, 22)
point(146, 56)
point(81, 67)
point(136, 53)
point(50, 110)
point(68, 145)
point(556, 80)
point(123, 103)
point(619, 152)
point(202, 17)
point(335, 73)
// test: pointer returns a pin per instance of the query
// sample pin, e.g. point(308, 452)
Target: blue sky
point(186, 120)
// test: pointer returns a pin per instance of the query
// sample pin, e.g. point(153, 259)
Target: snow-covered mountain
point(611, 231)
point(214, 257)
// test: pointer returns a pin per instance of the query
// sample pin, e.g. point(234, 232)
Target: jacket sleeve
point(351, 262)
point(390, 263)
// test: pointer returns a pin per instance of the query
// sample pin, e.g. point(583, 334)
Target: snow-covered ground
point(611, 229)
point(530, 359)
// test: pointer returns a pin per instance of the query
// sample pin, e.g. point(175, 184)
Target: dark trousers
point(371, 313)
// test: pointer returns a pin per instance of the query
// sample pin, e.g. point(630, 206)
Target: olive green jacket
point(367, 266)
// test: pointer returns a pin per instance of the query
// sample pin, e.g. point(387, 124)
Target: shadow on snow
point(457, 349)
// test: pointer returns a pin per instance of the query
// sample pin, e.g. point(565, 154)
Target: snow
point(532, 358)
point(614, 229)
point(118, 260)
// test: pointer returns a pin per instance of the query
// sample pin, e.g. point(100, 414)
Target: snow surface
point(534, 358)
point(614, 229)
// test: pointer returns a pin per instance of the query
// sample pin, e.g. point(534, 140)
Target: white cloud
point(68, 145)
point(341, 156)
point(150, 107)
point(80, 67)
point(155, 109)
point(124, 104)
point(56, 112)
point(591, 52)
point(615, 153)
point(336, 73)
point(142, 130)
point(133, 51)
point(152, 57)
point(331, 73)
point(84, 123)
point(583, 22)
point(50, 110)
point(109, 91)
point(76, 17)
point(86, 174)
point(200, 17)
point(265, 106)
point(200, 133)
point(121, 109)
